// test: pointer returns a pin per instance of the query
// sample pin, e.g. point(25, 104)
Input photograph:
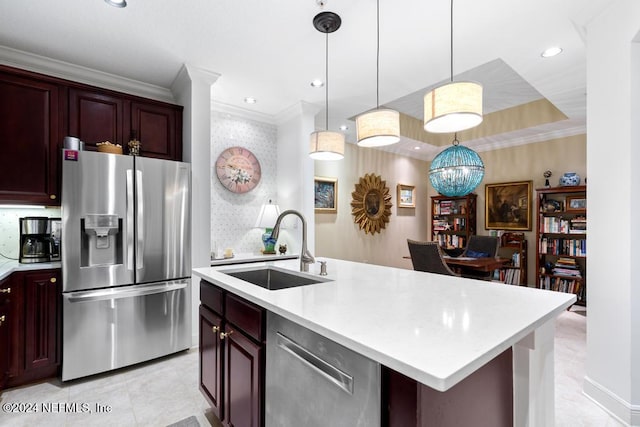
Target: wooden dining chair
point(480, 247)
point(427, 256)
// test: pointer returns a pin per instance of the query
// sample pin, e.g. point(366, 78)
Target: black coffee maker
point(35, 239)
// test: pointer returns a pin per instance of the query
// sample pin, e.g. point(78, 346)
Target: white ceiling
point(271, 51)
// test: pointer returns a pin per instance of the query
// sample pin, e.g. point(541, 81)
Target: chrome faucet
point(305, 256)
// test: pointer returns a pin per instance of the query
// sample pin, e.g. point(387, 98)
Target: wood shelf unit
point(561, 238)
point(453, 220)
point(514, 246)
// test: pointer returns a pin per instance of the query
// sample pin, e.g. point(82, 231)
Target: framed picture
point(576, 203)
point(406, 196)
point(508, 206)
point(326, 194)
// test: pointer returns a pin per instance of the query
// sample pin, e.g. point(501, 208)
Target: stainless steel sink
point(273, 279)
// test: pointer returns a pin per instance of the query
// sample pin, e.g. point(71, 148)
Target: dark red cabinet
point(29, 135)
point(243, 380)
point(35, 330)
point(159, 129)
point(232, 356)
point(38, 111)
point(211, 359)
point(96, 116)
point(5, 335)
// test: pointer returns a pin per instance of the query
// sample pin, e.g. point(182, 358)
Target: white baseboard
point(617, 407)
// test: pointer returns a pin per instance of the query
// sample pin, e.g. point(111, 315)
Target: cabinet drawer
point(246, 316)
point(211, 296)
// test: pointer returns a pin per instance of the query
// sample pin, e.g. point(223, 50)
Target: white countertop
point(435, 329)
point(8, 266)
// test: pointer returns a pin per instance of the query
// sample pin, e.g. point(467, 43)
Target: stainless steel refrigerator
point(126, 262)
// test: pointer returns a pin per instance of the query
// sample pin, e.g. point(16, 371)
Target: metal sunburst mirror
point(371, 204)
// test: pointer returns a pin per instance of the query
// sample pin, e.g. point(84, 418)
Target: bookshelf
point(561, 235)
point(453, 220)
point(514, 246)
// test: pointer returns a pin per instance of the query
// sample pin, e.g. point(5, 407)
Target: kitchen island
point(437, 330)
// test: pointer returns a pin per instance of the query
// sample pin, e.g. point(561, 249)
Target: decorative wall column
point(613, 290)
point(192, 89)
point(295, 170)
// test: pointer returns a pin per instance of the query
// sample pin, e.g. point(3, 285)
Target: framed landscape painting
point(406, 196)
point(508, 206)
point(326, 194)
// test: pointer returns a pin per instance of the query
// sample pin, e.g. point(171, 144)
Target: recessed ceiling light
point(417, 147)
point(552, 51)
point(317, 83)
point(344, 127)
point(116, 3)
point(250, 100)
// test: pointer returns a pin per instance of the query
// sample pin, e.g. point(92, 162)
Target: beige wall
point(528, 162)
point(337, 236)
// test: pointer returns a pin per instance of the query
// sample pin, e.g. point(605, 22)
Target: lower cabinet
point(34, 327)
point(5, 335)
point(232, 356)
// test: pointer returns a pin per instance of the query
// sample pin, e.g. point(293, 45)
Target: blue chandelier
point(456, 171)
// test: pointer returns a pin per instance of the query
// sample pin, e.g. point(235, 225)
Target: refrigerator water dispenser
point(101, 240)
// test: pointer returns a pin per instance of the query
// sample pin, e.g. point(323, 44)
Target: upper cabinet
point(37, 112)
point(95, 116)
point(29, 135)
point(159, 129)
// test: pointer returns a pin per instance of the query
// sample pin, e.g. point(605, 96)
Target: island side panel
point(484, 398)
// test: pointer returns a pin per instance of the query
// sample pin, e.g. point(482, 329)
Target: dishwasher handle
point(327, 370)
point(102, 295)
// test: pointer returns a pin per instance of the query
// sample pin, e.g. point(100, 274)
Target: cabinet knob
point(223, 335)
point(215, 329)
point(53, 280)
point(5, 291)
point(53, 197)
point(2, 319)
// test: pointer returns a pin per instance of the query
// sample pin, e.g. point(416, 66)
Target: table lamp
point(267, 219)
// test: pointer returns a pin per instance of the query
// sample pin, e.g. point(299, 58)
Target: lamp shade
point(268, 216)
point(326, 145)
point(377, 128)
point(456, 171)
point(453, 107)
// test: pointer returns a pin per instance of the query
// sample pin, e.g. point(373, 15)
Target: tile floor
point(166, 391)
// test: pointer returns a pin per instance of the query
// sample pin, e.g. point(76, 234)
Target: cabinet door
point(5, 336)
point(29, 138)
point(159, 128)
point(42, 302)
point(244, 388)
point(96, 116)
point(211, 359)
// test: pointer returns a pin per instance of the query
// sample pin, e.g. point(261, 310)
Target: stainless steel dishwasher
point(312, 381)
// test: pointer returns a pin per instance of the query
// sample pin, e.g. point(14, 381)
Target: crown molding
point(221, 107)
point(65, 70)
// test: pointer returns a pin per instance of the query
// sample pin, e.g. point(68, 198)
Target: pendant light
point(380, 126)
point(455, 106)
point(326, 145)
point(456, 171)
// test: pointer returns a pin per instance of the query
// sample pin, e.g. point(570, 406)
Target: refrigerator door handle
point(103, 294)
point(139, 222)
point(129, 208)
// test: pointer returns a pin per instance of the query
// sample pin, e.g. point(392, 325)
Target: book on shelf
point(566, 267)
point(560, 284)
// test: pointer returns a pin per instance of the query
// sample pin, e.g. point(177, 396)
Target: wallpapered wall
point(10, 227)
point(234, 215)
point(520, 163)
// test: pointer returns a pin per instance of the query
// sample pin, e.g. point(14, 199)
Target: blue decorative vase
point(268, 242)
point(569, 179)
